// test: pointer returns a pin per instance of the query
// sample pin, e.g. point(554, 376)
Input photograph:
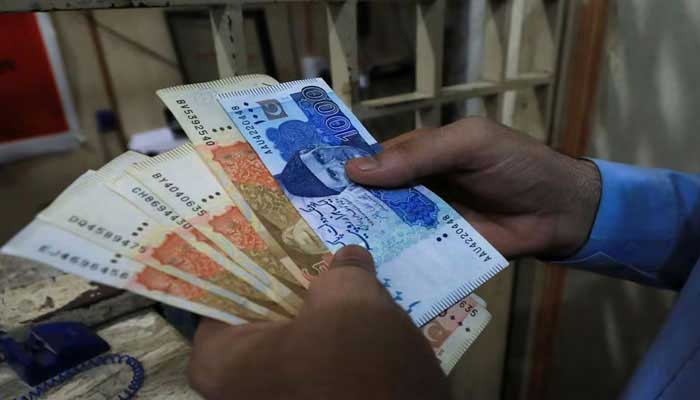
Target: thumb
point(351, 278)
point(353, 256)
point(412, 156)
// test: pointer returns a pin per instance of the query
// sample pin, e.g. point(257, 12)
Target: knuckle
point(475, 131)
point(402, 149)
point(477, 126)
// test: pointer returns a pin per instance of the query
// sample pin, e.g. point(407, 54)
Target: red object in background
point(30, 104)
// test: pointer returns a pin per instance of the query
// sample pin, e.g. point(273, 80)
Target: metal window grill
point(502, 79)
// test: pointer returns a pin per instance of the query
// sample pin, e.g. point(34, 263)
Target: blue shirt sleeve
point(647, 228)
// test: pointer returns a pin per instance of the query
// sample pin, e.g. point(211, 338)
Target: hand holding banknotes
point(522, 196)
point(350, 341)
point(238, 224)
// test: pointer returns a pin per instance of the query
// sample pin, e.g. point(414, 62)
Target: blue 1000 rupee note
point(427, 256)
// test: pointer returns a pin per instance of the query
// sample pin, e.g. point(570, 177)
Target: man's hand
point(525, 198)
point(350, 341)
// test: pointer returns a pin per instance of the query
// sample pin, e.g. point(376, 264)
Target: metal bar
point(60, 5)
point(414, 101)
point(229, 39)
point(109, 88)
point(64, 5)
point(342, 44)
point(282, 41)
point(512, 58)
point(495, 17)
point(559, 46)
point(430, 32)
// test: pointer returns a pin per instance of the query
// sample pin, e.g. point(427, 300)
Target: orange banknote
point(149, 203)
point(184, 181)
point(46, 243)
point(119, 226)
point(452, 332)
point(243, 175)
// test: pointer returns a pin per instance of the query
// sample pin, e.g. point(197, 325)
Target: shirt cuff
point(635, 223)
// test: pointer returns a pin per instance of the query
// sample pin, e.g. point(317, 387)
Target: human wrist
point(580, 198)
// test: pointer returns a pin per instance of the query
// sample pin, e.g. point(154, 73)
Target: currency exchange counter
point(31, 293)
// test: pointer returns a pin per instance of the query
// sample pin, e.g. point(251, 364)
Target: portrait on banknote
point(318, 170)
point(315, 152)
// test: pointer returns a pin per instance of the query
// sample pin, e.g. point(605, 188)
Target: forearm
point(647, 228)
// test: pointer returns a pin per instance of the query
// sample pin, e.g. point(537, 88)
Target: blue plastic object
point(50, 349)
point(106, 121)
point(54, 353)
point(128, 393)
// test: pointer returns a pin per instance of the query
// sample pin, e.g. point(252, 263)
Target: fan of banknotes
point(237, 223)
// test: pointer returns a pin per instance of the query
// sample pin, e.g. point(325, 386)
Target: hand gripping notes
point(427, 255)
point(235, 225)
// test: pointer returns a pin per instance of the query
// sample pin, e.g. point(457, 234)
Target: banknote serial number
point(158, 205)
point(469, 308)
point(462, 234)
point(106, 234)
point(179, 194)
point(82, 262)
point(196, 122)
point(248, 127)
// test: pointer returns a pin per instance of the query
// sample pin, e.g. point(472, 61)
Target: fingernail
point(353, 256)
point(365, 163)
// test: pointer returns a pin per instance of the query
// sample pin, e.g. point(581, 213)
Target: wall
point(135, 73)
point(647, 114)
point(29, 185)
